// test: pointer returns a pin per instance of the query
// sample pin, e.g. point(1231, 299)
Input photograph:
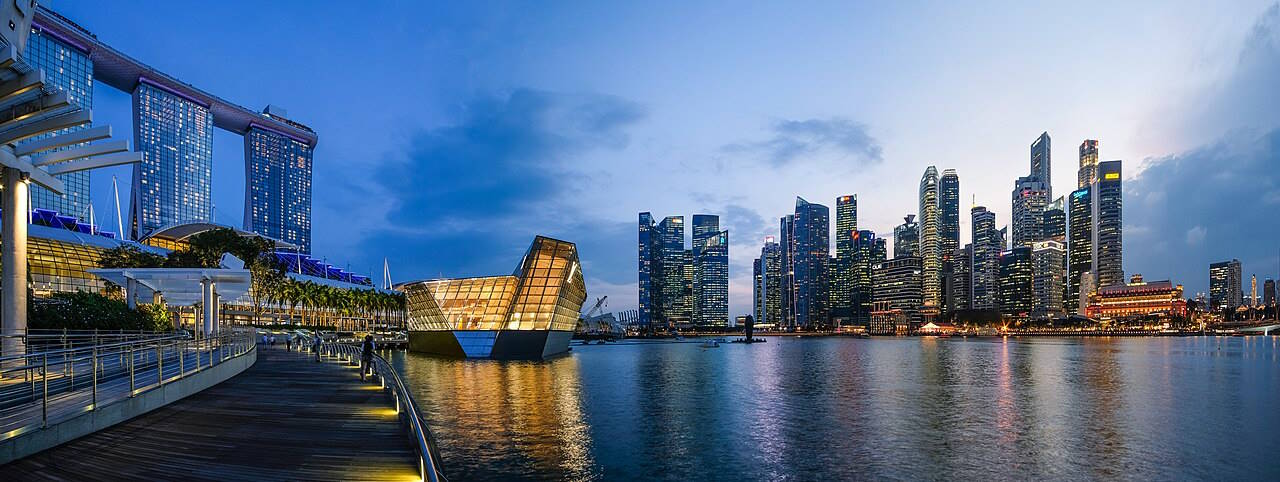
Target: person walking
point(366, 356)
point(288, 343)
point(315, 346)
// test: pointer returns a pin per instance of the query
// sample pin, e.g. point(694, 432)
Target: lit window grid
point(70, 71)
point(172, 183)
point(278, 175)
point(57, 266)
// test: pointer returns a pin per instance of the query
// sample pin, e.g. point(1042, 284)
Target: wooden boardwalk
point(286, 418)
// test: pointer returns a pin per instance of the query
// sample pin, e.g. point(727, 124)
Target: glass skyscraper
point(172, 183)
point(768, 283)
point(1079, 244)
point(869, 251)
point(277, 198)
point(906, 238)
point(843, 266)
point(812, 245)
point(930, 257)
point(1107, 219)
point(649, 249)
point(1030, 200)
point(948, 212)
point(987, 246)
point(1015, 282)
point(1041, 155)
point(1226, 285)
point(787, 231)
point(70, 70)
point(711, 283)
point(1088, 163)
point(671, 232)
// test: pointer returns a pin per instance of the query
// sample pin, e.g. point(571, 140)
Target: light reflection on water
point(842, 408)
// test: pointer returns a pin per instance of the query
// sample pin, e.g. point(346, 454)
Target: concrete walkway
point(286, 418)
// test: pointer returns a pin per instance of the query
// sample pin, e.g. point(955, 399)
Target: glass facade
point(842, 265)
point(1107, 225)
point(649, 249)
point(712, 284)
point(898, 286)
point(948, 212)
point(172, 183)
point(930, 256)
point(1015, 282)
point(545, 293)
point(69, 70)
point(906, 238)
point(1041, 155)
point(812, 245)
point(987, 245)
point(1030, 201)
point(277, 198)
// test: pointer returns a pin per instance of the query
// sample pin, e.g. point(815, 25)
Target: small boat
point(864, 335)
point(711, 344)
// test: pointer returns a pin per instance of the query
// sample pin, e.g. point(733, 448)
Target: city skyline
point(828, 144)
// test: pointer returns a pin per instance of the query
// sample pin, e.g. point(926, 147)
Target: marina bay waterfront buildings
point(930, 256)
point(1225, 285)
point(906, 237)
point(173, 125)
point(70, 70)
point(681, 287)
point(809, 263)
point(987, 244)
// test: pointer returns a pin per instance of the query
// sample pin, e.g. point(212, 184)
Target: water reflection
point(840, 408)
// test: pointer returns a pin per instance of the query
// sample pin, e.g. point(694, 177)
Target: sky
point(451, 133)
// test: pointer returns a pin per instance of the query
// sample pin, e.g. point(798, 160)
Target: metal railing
point(37, 340)
point(43, 387)
point(429, 464)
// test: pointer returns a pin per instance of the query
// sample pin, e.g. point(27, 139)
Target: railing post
point(131, 363)
point(94, 363)
point(182, 357)
point(160, 365)
point(44, 400)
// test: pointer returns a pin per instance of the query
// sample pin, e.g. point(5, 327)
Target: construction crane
point(595, 310)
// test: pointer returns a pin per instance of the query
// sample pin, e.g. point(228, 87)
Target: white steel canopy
point(182, 286)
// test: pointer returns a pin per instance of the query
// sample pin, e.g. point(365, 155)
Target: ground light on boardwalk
point(286, 418)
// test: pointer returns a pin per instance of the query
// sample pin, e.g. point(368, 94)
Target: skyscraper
point(1055, 222)
point(1030, 200)
point(1225, 279)
point(1253, 290)
point(67, 68)
point(961, 279)
point(649, 247)
point(705, 227)
point(948, 212)
point(812, 244)
point(1040, 161)
point(987, 245)
point(1088, 163)
point(869, 251)
point(672, 282)
point(906, 238)
point(1016, 291)
point(1269, 293)
point(787, 238)
point(898, 283)
point(175, 136)
point(1048, 279)
point(769, 283)
point(1107, 219)
point(930, 256)
point(712, 281)
point(277, 190)
point(1079, 243)
point(842, 283)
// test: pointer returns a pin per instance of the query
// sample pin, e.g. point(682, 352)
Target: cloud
point(1247, 98)
point(466, 199)
point(1196, 235)
point(793, 139)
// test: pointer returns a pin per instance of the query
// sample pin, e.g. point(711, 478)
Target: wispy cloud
point(794, 139)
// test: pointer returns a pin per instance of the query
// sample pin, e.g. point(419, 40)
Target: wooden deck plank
point(285, 418)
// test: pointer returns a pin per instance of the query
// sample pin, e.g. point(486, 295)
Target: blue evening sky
point(452, 133)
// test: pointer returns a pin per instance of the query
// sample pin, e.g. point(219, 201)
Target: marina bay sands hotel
point(173, 126)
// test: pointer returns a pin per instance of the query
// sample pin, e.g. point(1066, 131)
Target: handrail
point(429, 455)
point(48, 379)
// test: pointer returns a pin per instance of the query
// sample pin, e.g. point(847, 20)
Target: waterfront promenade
point(286, 417)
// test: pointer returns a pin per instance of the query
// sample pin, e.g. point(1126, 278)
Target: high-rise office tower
point(69, 69)
point(1030, 201)
point(1107, 220)
point(1225, 292)
point(1040, 165)
point(1054, 227)
point(1079, 243)
point(868, 252)
point(705, 226)
point(787, 241)
point(770, 283)
point(930, 255)
point(671, 283)
point(906, 238)
point(948, 212)
point(987, 245)
point(898, 283)
point(649, 247)
point(757, 289)
point(1048, 279)
point(172, 183)
point(712, 284)
point(1088, 163)
point(1016, 291)
point(961, 279)
point(842, 268)
point(685, 303)
point(812, 242)
point(1269, 293)
point(277, 190)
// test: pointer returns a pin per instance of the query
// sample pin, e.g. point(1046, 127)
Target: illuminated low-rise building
point(530, 314)
point(1138, 299)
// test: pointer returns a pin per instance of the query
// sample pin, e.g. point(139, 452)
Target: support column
point(131, 293)
point(206, 289)
point(13, 257)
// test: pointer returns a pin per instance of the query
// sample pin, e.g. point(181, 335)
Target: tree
point(126, 256)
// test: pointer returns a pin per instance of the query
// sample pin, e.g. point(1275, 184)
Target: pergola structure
point(182, 287)
point(38, 141)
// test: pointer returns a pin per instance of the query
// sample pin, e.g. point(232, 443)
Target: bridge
point(285, 416)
